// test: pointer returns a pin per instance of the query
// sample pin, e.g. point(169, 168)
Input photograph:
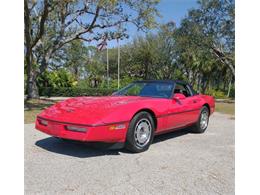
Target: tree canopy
point(201, 50)
point(52, 24)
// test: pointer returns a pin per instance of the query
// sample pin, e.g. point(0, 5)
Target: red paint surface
point(97, 114)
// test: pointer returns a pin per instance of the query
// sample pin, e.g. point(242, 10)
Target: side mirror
point(178, 96)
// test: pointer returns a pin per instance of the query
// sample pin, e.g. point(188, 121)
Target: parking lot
point(176, 163)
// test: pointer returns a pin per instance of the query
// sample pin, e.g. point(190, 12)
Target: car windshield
point(147, 89)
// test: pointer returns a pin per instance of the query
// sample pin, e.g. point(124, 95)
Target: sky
point(170, 10)
point(175, 10)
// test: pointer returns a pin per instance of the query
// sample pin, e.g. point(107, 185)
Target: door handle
point(195, 101)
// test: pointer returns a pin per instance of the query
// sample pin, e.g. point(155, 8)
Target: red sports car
point(130, 117)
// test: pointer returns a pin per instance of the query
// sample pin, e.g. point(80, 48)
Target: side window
point(181, 88)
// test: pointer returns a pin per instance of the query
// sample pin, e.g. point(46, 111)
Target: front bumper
point(100, 133)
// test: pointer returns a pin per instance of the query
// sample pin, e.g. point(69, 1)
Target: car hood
point(87, 110)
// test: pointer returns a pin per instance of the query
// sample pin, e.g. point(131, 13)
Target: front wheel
point(202, 122)
point(140, 132)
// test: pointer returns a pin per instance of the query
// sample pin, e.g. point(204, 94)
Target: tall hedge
point(74, 91)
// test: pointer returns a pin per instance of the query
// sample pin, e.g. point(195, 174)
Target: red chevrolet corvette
point(131, 117)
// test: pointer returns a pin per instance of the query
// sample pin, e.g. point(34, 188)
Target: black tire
point(141, 120)
point(198, 128)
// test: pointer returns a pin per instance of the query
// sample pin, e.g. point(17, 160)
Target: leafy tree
point(113, 55)
point(51, 24)
point(56, 79)
point(205, 44)
point(151, 56)
point(76, 59)
point(215, 21)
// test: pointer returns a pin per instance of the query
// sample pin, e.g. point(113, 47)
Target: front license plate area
point(54, 128)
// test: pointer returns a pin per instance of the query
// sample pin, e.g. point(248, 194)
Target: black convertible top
point(160, 81)
point(168, 81)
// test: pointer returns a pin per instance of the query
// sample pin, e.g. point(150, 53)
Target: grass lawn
point(30, 115)
point(225, 108)
point(34, 107)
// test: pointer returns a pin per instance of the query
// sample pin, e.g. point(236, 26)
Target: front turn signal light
point(117, 127)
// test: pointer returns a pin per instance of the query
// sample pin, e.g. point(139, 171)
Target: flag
point(102, 45)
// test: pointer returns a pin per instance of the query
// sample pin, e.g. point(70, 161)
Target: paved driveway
point(176, 163)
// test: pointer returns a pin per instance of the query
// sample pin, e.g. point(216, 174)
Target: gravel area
point(176, 163)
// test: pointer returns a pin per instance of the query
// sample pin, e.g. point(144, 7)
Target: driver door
point(182, 112)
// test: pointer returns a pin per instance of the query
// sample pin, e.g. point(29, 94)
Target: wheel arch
point(151, 112)
point(208, 107)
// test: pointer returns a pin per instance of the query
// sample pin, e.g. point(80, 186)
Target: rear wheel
point(202, 123)
point(140, 132)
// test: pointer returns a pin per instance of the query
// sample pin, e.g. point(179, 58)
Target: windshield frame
point(117, 93)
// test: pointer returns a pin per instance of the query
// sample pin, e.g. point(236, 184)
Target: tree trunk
point(204, 85)
point(32, 88)
point(229, 88)
point(224, 85)
point(224, 60)
point(32, 74)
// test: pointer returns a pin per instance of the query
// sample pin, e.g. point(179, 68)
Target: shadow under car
point(88, 149)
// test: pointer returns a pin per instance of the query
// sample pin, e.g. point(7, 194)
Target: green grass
point(30, 116)
point(225, 108)
point(34, 107)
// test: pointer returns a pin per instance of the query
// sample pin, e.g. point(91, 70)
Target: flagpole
point(118, 64)
point(107, 69)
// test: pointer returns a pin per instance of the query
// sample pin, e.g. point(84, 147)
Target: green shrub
point(232, 92)
point(216, 94)
point(56, 79)
point(74, 91)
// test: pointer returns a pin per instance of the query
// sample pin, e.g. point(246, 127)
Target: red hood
point(87, 110)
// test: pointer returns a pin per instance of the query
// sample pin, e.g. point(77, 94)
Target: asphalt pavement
point(176, 163)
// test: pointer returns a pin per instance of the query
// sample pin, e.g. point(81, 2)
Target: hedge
point(74, 91)
point(221, 94)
